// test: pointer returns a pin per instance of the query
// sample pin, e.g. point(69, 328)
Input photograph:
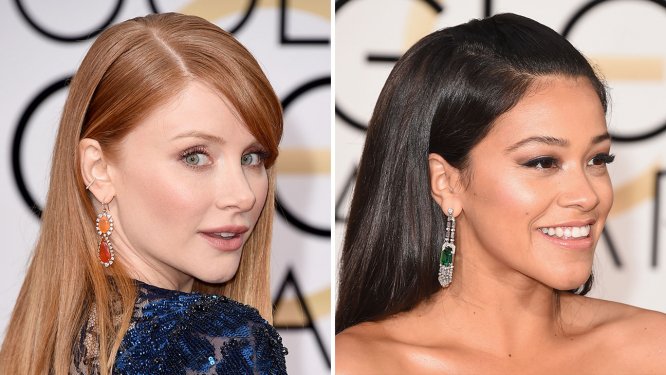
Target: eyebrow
point(201, 135)
point(553, 141)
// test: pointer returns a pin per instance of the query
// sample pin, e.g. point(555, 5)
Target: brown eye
point(546, 162)
point(601, 159)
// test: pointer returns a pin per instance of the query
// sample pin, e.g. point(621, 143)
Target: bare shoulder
point(362, 349)
point(641, 335)
point(618, 315)
point(636, 335)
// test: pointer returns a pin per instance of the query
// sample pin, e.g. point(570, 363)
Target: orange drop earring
point(104, 226)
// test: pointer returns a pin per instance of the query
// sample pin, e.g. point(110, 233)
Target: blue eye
point(544, 162)
point(601, 159)
point(252, 158)
point(195, 157)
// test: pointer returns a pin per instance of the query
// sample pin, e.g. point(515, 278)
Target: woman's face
point(539, 191)
point(190, 185)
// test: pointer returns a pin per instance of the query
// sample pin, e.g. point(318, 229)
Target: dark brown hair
point(442, 97)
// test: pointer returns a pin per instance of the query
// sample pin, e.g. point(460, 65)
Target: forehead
point(562, 107)
point(197, 108)
point(199, 101)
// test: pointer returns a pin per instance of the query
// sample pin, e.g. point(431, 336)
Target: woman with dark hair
point(481, 194)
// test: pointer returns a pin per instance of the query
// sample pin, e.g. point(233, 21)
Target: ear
point(445, 184)
point(94, 170)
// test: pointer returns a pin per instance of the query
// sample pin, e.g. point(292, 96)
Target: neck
point(506, 309)
point(149, 270)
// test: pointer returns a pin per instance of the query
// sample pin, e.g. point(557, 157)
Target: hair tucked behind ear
point(130, 70)
point(442, 97)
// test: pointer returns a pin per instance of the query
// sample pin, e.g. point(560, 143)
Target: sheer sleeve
point(85, 356)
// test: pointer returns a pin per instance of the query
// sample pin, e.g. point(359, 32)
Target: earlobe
point(94, 170)
point(444, 180)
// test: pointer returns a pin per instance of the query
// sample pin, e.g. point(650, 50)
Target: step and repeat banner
point(624, 38)
point(42, 44)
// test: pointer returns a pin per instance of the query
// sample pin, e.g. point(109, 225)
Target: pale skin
point(189, 170)
point(542, 165)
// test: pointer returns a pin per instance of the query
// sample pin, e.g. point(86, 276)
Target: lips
point(227, 238)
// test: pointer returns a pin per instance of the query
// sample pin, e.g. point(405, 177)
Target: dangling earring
point(104, 226)
point(448, 251)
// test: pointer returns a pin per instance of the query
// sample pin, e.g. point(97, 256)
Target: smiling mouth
point(567, 232)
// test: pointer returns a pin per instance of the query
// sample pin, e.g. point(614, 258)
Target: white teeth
point(567, 232)
point(575, 232)
point(225, 235)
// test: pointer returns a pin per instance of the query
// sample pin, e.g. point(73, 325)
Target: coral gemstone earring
point(104, 226)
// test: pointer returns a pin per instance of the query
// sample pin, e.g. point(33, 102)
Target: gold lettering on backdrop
point(630, 68)
point(635, 191)
point(216, 9)
point(421, 21)
point(304, 161)
point(289, 312)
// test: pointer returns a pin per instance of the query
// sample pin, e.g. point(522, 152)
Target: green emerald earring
point(448, 251)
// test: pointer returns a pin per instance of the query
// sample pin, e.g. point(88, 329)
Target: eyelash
point(261, 154)
point(538, 163)
point(604, 158)
point(193, 151)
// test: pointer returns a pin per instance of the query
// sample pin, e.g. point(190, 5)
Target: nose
point(578, 191)
point(235, 191)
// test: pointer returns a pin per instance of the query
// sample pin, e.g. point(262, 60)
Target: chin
point(569, 278)
point(215, 277)
point(217, 280)
point(571, 282)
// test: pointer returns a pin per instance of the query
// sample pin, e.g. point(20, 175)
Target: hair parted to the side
point(130, 70)
point(442, 97)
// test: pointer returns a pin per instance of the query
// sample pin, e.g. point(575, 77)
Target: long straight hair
point(441, 97)
point(130, 70)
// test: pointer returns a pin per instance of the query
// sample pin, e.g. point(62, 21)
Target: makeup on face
point(191, 184)
point(539, 191)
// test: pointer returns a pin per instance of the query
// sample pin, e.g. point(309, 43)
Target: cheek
point(259, 185)
point(604, 191)
point(155, 199)
point(509, 196)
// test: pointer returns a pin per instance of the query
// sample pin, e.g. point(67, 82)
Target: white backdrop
point(624, 38)
point(293, 48)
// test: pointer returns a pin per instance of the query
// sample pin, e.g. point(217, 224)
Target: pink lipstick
point(226, 238)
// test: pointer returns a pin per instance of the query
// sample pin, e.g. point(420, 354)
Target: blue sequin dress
point(173, 332)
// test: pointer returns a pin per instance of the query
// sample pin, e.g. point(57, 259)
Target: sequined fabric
point(190, 333)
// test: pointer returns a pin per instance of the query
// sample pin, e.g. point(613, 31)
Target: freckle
point(509, 355)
